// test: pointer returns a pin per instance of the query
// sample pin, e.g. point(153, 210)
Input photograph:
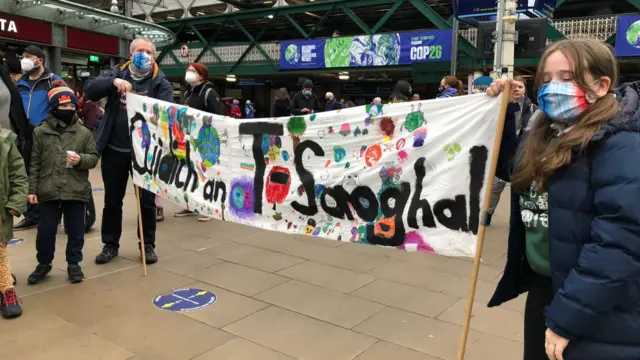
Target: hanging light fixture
point(231, 78)
point(343, 76)
point(114, 6)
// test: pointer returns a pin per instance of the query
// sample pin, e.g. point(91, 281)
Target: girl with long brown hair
point(574, 237)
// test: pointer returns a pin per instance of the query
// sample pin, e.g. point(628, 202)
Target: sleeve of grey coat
point(18, 181)
point(89, 156)
point(34, 167)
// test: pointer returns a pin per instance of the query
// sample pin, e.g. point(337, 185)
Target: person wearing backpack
point(140, 75)
point(33, 87)
point(201, 96)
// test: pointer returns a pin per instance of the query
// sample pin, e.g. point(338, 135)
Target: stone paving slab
point(278, 297)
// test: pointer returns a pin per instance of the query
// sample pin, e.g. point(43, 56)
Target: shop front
point(78, 41)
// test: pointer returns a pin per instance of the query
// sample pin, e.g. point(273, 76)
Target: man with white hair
point(139, 75)
point(376, 101)
point(332, 103)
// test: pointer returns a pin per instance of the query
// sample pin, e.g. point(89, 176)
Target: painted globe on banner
point(633, 34)
point(292, 54)
point(209, 145)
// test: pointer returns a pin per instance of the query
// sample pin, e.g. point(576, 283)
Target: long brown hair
point(453, 82)
point(590, 60)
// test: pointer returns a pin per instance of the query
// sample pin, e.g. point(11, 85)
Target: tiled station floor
point(278, 297)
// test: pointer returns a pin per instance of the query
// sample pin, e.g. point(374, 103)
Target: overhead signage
point(25, 29)
point(8, 26)
point(474, 8)
point(544, 8)
point(92, 41)
point(628, 36)
point(94, 58)
point(390, 49)
point(184, 51)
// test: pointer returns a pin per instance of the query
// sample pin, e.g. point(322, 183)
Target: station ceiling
point(162, 10)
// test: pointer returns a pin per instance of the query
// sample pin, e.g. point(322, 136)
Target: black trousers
point(50, 213)
point(539, 297)
point(116, 170)
point(32, 213)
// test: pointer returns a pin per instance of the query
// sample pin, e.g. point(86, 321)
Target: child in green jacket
point(63, 153)
point(13, 199)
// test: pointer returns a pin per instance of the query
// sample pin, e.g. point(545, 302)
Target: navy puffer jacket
point(594, 240)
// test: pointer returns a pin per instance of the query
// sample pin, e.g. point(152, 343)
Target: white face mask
point(191, 77)
point(27, 64)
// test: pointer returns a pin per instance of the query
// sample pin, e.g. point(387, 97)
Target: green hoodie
point(49, 177)
point(13, 182)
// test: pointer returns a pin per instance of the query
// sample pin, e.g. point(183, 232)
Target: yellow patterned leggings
point(6, 282)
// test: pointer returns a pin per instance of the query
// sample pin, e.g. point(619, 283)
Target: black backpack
point(89, 216)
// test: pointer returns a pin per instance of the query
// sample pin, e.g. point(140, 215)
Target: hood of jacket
point(628, 118)
point(449, 92)
point(7, 137)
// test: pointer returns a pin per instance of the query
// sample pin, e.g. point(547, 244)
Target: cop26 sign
point(408, 175)
point(367, 50)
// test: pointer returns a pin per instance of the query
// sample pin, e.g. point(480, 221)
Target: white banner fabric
point(408, 175)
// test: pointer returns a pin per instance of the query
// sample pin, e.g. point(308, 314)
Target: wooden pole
point(506, 94)
point(141, 232)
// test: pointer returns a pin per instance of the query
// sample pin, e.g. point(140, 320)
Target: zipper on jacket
point(31, 94)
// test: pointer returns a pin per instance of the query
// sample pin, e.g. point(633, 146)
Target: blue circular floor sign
point(185, 300)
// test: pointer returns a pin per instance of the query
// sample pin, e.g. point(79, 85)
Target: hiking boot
point(150, 254)
point(9, 305)
point(183, 213)
point(159, 214)
point(204, 218)
point(106, 255)
point(75, 274)
point(39, 274)
point(25, 224)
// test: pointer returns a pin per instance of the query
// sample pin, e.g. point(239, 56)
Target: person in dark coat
point(574, 236)
point(522, 113)
point(332, 104)
point(305, 102)
point(201, 96)
point(281, 107)
point(401, 92)
point(89, 114)
point(33, 87)
point(17, 119)
point(140, 75)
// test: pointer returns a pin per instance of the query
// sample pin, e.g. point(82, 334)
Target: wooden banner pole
point(506, 94)
point(141, 232)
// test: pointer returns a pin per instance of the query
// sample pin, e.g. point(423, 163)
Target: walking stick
point(482, 229)
point(141, 232)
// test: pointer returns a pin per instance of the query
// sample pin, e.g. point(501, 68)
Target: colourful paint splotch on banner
point(408, 175)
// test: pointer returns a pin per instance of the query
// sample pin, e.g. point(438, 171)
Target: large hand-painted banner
point(407, 175)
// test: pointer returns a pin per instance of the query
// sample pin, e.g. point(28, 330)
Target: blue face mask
point(142, 62)
point(306, 93)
